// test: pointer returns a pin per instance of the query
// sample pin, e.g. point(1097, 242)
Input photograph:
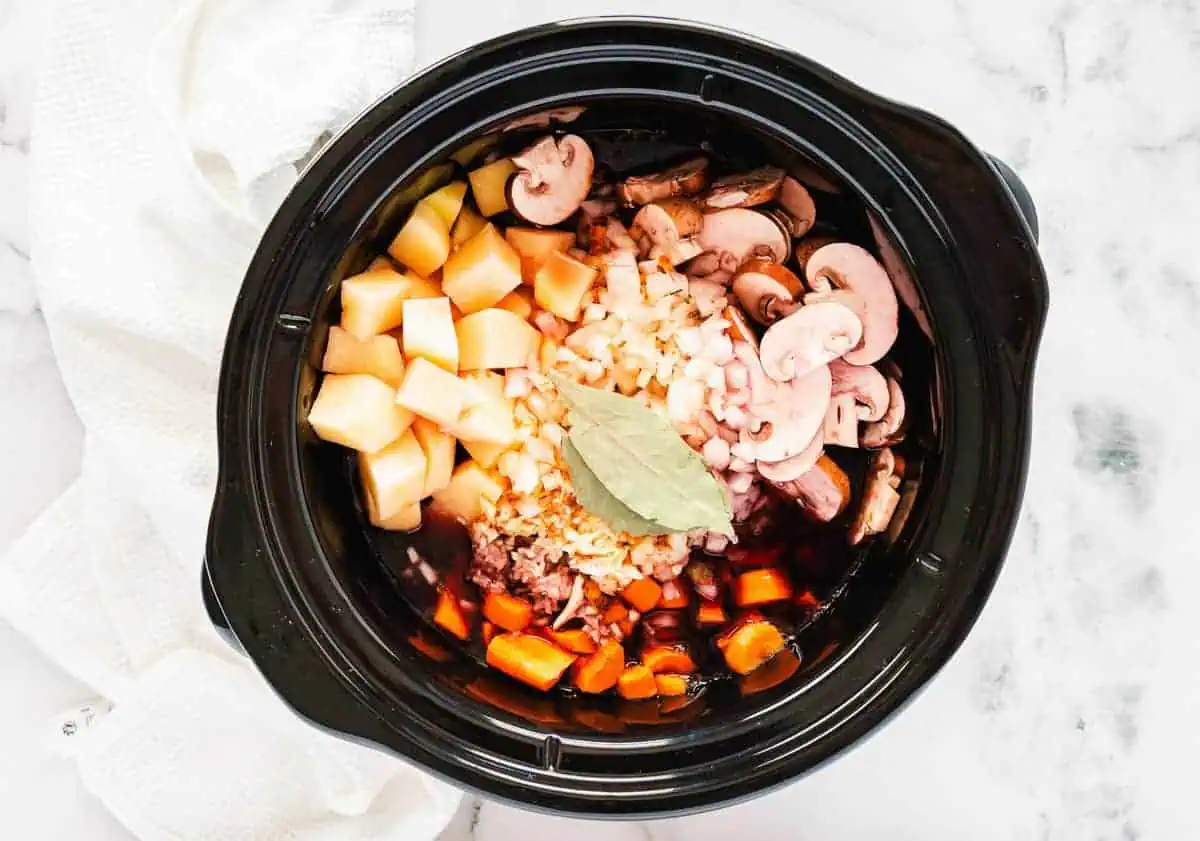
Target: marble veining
point(1068, 712)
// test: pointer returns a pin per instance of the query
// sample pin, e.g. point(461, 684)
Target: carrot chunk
point(448, 615)
point(642, 594)
point(574, 640)
point(617, 614)
point(670, 686)
point(664, 659)
point(751, 645)
point(528, 658)
point(600, 672)
point(762, 586)
point(674, 595)
point(487, 632)
point(507, 612)
point(637, 682)
point(711, 613)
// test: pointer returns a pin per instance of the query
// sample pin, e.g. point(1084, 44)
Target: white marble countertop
point(1068, 713)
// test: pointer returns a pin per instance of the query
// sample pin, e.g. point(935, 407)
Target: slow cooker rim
point(945, 652)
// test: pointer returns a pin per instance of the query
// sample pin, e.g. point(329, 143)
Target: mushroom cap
point(843, 265)
point(822, 491)
point(685, 179)
point(880, 498)
point(798, 204)
point(808, 339)
point(841, 421)
point(779, 473)
point(669, 220)
point(887, 430)
point(865, 384)
point(553, 179)
point(745, 189)
point(806, 247)
point(795, 411)
point(766, 290)
point(744, 233)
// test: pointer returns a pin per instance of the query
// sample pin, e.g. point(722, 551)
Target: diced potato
point(494, 338)
point(482, 272)
point(429, 332)
point(491, 420)
point(487, 453)
point(561, 283)
point(489, 186)
point(439, 454)
point(448, 201)
point(469, 486)
point(519, 301)
point(468, 224)
point(406, 519)
point(424, 242)
point(372, 301)
point(431, 392)
point(358, 411)
point(394, 477)
point(481, 386)
point(378, 356)
point(535, 245)
point(380, 262)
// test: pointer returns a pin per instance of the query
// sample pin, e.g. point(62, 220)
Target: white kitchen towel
point(165, 133)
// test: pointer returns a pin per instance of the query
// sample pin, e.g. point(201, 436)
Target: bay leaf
point(640, 459)
point(593, 496)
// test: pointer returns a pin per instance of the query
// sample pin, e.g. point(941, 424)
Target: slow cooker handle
point(1020, 193)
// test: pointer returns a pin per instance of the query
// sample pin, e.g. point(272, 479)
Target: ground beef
point(489, 566)
point(539, 568)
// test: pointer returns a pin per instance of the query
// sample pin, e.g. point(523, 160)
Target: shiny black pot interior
point(307, 587)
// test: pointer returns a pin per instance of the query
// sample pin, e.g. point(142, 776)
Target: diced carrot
point(743, 619)
point(807, 599)
point(780, 668)
point(528, 658)
point(575, 640)
point(599, 672)
point(642, 594)
point(762, 586)
point(617, 614)
point(671, 685)
point(751, 645)
point(591, 592)
point(637, 682)
point(674, 595)
point(448, 615)
point(488, 631)
point(507, 612)
point(662, 659)
point(711, 613)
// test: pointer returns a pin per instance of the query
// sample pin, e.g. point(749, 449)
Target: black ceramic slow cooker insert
point(296, 577)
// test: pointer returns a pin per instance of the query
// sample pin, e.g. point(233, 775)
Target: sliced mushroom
point(808, 339)
point(688, 178)
point(860, 393)
point(798, 204)
point(790, 416)
point(766, 290)
point(553, 179)
point(542, 119)
point(889, 429)
point(669, 225)
point(880, 498)
point(744, 190)
point(822, 491)
point(779, 473)
point(807, 247)
point(842, 265)
point(713, 266)
point(744, 233)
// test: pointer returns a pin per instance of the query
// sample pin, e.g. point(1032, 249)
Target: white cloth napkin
point(165, 133)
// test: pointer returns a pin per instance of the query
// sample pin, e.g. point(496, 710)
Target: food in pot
point(648, 416)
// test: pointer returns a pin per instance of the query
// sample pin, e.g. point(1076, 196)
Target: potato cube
point(429, 332)
point(482, 272)
point(469, 486)
point(561, 283)
point(372, 301)
point(439, 454)
point(424, 242)
point(491, 420)
point(489, 186)
point(494, 338)
point(406, 519)
point(468, 224)
point(378, 356)
point(431, 392)
point(358, 411)
point(487, 453)
point(448, 201)
point(535, 245)
point(519, 301)
point(394, 476)
point(380, 262)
